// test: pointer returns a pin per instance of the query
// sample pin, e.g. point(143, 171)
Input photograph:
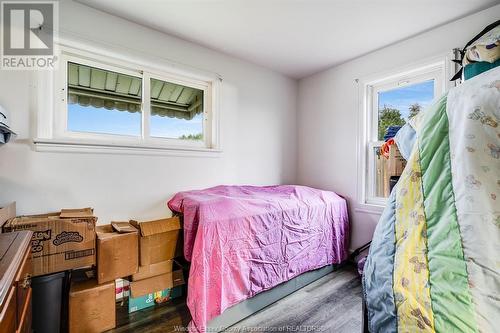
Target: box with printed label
point(61, 241)
point(152, 299)
point(122, 287)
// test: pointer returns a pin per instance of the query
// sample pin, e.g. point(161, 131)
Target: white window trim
point(439, 68)
point(50, 113)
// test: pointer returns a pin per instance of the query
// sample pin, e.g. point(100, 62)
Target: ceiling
point(294, 37)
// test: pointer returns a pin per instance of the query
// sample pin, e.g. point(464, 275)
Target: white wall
point(258, 132)
point(259, 127)
point(328, 110)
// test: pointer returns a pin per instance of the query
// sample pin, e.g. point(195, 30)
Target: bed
point(433, 262)
point(244, 240)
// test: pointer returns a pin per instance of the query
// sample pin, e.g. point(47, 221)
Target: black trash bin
point(49, 297)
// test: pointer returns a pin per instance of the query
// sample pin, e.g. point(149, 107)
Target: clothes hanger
point(490, 27)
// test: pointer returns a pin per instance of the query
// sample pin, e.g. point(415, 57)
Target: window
point(389, 102)
point(102, 101)
point(176, 111)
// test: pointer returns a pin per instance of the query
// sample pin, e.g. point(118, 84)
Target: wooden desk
point(15, 282)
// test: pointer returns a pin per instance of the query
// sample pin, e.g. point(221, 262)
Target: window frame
point(52, 133)
point(207, 114)
point(61, 117)
point(436, 69)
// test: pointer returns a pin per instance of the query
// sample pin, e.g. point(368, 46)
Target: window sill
point(61, 146)
point(372, 209)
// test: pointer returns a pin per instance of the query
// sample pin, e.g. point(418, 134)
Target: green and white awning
point(89, 86)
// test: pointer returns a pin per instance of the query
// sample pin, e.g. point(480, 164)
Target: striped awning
point(89, 86)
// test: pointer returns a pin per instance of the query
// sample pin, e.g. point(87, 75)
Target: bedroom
point(283, 93)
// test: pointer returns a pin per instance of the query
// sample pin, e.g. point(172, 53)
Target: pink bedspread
point(242, 240)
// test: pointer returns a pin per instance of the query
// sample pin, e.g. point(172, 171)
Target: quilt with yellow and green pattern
point(434, 262)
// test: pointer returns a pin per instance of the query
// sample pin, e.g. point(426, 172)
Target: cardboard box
point(396, 162)
point(76, 213)
point(91, 306)
point(148, 271)
point(158, 240)
point(60, 241)
point(123, 227)
point(159, 282)
point(117, 253)
point(7, 212)
point(152, 299)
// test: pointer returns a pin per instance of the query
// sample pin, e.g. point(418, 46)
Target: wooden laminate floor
point(330, 304)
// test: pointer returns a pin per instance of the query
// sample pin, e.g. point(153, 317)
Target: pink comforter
point(242, 240)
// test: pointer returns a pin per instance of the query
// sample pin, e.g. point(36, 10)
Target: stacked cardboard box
point(157, 283)
point(158, 240)
point(91, 305)
point(142, 252)
point(92, 301)
point(158, 278)
point(117, 252)
point(61, 241)
point(155, 290)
